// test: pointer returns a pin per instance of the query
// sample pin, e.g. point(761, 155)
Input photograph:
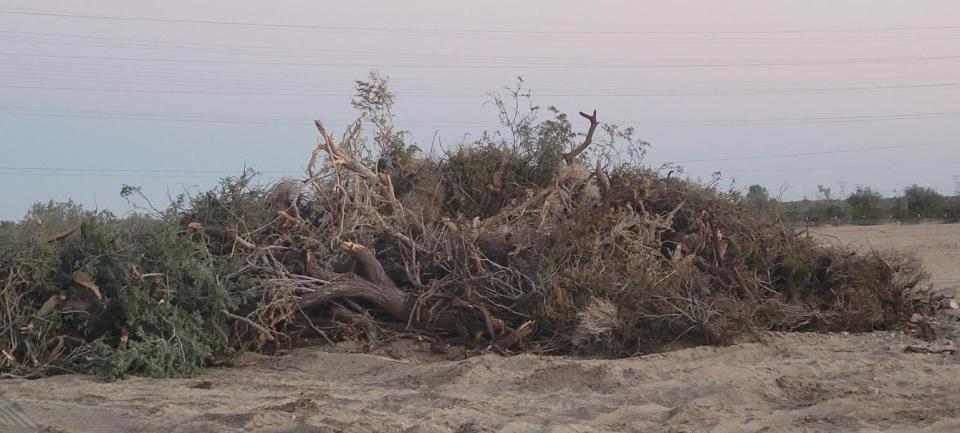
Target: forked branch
point(573, 154)
point(338, 157)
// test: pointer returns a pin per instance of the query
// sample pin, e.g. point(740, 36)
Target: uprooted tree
point(544, 242)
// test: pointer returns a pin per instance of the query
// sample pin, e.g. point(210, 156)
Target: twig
point(522, 331)
point(65, 234)
point(266, 332)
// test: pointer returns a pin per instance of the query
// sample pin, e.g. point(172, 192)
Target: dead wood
point(571, 156)
point(927, 350)
point(603, 180)
point(514, 337)
point(66, 233)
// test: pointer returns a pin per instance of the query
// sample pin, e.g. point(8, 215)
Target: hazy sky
point(89, 103)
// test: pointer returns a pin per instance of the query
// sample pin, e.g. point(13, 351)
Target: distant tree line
point(864, 206)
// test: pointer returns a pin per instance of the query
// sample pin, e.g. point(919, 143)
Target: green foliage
point(757, 195)
point(159, 288)
point(816, 211)
point(374, 100)
point(758, 200)
point(824, 192)
point(865, 204)
point(481, 178)
point(921, 202)
point(235, 202)
point(497, 169)
point(951, 210)
point(554, 136)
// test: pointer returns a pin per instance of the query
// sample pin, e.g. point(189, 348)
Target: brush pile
point(544, 245)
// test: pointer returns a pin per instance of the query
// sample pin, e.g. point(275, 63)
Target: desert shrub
point(757, 197)
point(951, 210)
point(922, 202)
point(865, 205)
point(374, 101)
point(479, 180)
point(483, 176)
point(828, 211)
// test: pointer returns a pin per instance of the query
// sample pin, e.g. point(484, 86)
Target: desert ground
point(882, 381)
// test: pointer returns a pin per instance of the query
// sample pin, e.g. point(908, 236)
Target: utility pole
point(843, 188)
point(956, 179)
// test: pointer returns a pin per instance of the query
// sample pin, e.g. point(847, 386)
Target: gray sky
point(82, 99)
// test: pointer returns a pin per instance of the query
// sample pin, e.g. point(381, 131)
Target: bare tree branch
point(573, 154)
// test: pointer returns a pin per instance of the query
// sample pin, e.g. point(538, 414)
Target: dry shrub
point(598, 323)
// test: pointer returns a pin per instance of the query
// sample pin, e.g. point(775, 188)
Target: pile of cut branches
point(540, 244)
point(591, 261)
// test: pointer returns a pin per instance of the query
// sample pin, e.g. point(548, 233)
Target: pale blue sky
point(85, 98)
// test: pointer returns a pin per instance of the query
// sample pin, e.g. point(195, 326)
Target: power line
point(475, 95)
point(261, 50)
point(67, 39)
point(225, 120)
point(195, 92)
point(137, 170)
point(226, 82)
point(144, 71)
point(844, 167)
point(42, 37)
point(211, 171)
point(410, 30)
point(811, 120)
point(290, 120)
point(823, 152)
point(586, 65)
point(130, 175)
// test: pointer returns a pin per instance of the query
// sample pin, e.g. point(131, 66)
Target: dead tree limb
point(218, 231)
point(390, 299)
point(371, 269)
point(263, 330)
point(370, 282)
point(514, 337)
point(66, 233)
point(571, 157)
point(603, 181)
point(339, 157)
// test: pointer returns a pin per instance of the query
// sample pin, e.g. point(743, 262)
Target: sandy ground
point(786, 383)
